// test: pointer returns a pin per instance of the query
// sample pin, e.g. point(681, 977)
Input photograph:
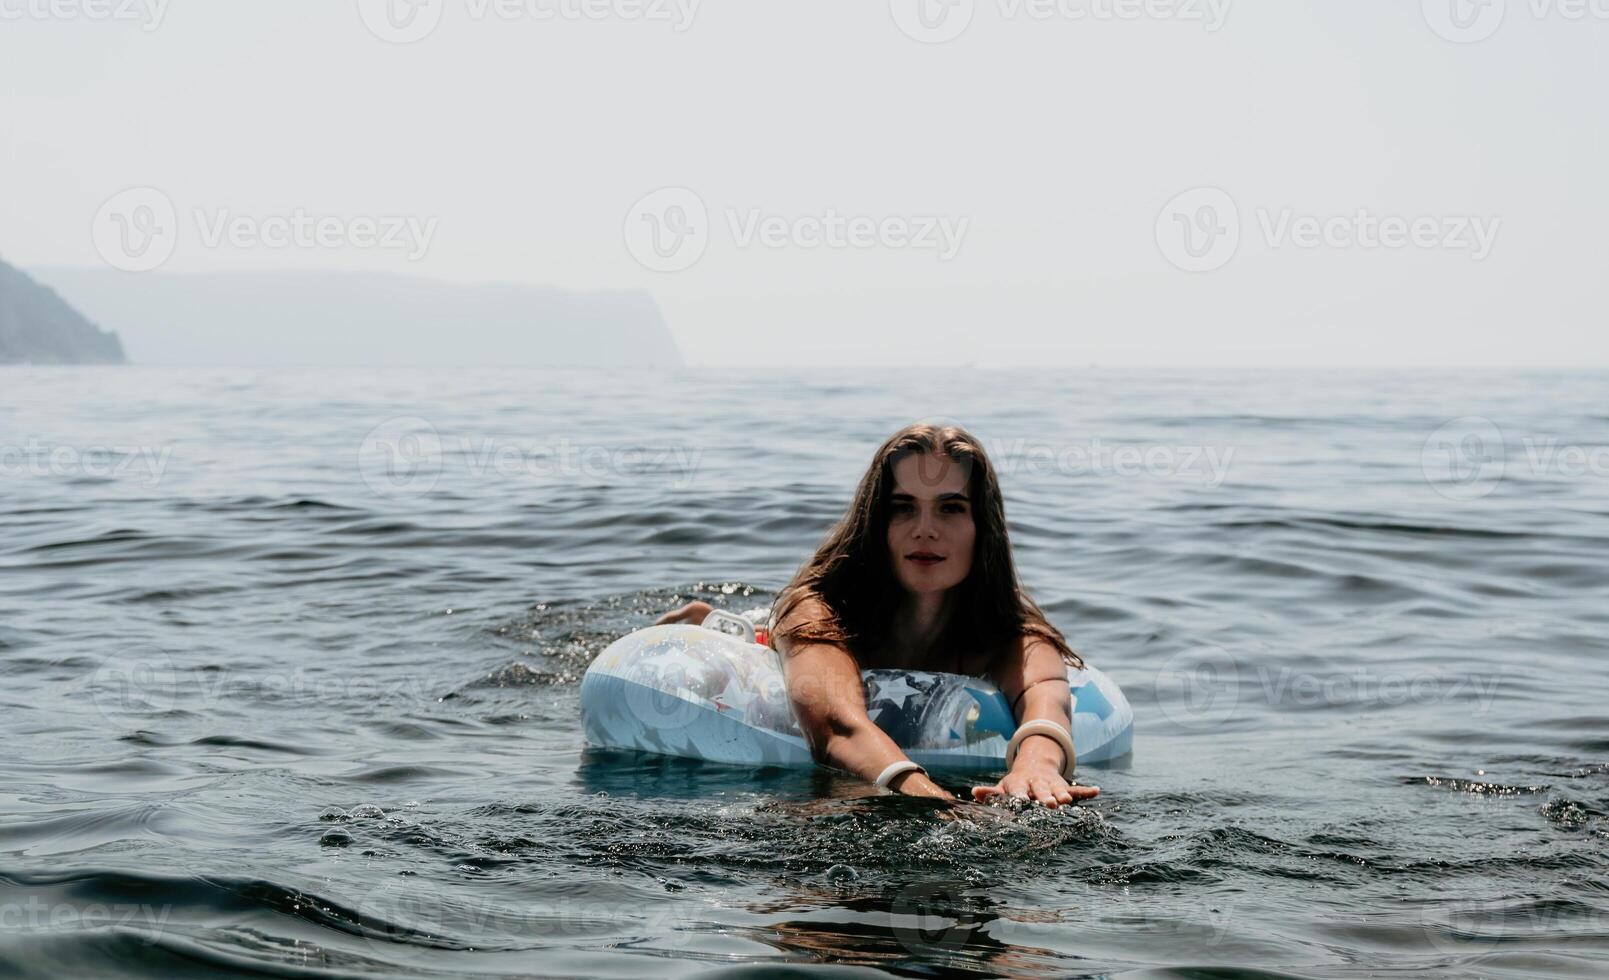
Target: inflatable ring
point(698, 692)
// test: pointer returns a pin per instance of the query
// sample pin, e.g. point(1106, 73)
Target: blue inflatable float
point(701, 693)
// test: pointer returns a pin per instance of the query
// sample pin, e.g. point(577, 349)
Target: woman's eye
point(955, 508)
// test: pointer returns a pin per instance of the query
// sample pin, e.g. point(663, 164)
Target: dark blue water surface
point(291, 662)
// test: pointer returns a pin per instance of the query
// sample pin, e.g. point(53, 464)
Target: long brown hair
point(852, 576)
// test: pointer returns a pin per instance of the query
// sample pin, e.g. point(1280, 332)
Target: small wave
point(1473, 786)
point(255, 744)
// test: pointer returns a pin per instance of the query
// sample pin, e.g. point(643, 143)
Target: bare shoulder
point(1032, 648)
point(808, 610)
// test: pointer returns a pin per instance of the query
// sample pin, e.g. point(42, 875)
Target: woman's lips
point(924, 559)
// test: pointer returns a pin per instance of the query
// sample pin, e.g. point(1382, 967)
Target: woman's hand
point(1037, 781)
point(917, 783)
point(694, 612)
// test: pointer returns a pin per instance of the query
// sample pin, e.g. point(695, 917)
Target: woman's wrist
point(1039, 752)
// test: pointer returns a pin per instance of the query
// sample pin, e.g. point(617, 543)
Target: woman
point(919, 575)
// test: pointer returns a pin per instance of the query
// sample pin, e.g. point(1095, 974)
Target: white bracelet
point(898, 769)
point(1043, 727)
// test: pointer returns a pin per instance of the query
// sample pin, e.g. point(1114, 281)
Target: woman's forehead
point(930, 475)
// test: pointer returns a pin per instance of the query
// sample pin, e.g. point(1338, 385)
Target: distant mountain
point(38, 327)
point(316, 319)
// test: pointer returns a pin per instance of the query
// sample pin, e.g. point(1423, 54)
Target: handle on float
point(718, 617)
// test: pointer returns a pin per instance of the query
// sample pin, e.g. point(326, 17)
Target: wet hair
point(851, 574)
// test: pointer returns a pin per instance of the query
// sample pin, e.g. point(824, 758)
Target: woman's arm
point(829, 700)
point(1034, 681)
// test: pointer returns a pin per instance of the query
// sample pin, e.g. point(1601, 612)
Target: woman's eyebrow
point(902, 496)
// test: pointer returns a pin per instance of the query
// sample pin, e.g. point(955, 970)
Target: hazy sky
point(901, 182)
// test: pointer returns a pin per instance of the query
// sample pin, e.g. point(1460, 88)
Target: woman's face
point(930, 529)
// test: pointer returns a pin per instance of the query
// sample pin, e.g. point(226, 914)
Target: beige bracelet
point(1043, 727)
point(898, 769)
